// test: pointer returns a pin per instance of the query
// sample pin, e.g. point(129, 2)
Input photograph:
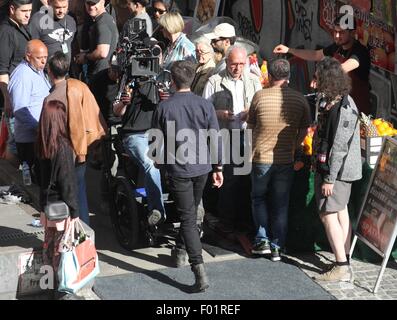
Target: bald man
point(27, 89)
point(231, 92)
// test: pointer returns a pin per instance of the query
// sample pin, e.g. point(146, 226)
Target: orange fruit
point(377, 122)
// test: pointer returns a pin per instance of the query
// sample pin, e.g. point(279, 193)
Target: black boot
point(179, 256)
point(201, 278)
point(67, 296)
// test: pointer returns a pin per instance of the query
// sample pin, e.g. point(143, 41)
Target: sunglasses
point(159, 10)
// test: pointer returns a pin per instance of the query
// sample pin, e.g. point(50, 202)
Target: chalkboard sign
point(376, 225)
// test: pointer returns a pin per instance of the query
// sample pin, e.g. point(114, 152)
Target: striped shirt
point(276, 115)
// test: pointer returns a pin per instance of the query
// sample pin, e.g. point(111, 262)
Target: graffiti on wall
point(304, 19)
point(307, 24)
point(257, 14)
point(247, 29)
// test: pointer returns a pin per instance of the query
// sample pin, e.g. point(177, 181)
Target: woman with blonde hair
point(205, 66)
point(180, 47)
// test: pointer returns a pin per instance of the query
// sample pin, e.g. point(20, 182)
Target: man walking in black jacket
point(185, 121)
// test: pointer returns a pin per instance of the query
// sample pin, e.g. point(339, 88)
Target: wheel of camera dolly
point(125, 215)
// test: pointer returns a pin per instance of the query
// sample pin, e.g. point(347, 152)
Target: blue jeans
point(137, 146)
point(271, 186)
point(82, 193)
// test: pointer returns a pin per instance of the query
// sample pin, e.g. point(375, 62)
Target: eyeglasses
point(238, 64)
point(201, 52)
point(160, 11)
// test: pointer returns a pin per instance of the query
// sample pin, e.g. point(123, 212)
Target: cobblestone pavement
point(365, 275)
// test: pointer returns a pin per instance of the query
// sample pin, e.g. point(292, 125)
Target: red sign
point(257, 14)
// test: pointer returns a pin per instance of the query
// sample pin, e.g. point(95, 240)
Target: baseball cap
point(92, 1)
point(223, 30)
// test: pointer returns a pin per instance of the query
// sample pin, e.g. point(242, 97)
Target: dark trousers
point(26, 153)
point(82, 195)
point(187, 193)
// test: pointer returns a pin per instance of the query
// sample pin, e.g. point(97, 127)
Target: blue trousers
point(271, 185)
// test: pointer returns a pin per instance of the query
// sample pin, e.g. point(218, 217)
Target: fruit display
point(260, 72)
point(384, 128)
point(376, 127)
point(308, 141)
point(367, 128)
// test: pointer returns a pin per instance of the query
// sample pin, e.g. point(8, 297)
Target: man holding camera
point(136, 110)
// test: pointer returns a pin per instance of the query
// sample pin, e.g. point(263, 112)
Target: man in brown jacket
point(85, 121)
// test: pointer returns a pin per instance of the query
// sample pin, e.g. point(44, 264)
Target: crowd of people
point(59, 78)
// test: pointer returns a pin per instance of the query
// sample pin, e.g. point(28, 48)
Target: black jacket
point(64, 177)
point(139, 114)
point(13, 41)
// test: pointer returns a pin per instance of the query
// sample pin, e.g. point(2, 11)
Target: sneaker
point(179, 257)
point(262, 247)
point(337, 273)
point(275, 255)
point(154, 217)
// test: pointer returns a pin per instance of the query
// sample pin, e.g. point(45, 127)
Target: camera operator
point(136, 110)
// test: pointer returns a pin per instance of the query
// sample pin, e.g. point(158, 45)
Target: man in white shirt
point(231, 92)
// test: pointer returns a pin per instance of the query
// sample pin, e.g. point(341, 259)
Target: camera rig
point(138, 58)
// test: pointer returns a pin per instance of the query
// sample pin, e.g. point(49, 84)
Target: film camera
point(138, 58)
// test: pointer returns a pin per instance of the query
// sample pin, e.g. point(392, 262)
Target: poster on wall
point(383, 10)
point(205, 10)
point(362, 5)
point(372, 32)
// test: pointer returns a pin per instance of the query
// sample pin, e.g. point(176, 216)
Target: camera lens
point(156, 51)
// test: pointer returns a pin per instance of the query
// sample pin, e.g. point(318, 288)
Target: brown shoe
point(337, 273)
